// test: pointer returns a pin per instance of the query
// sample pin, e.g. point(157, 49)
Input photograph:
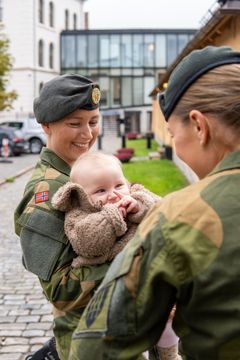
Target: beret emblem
point(96, 95)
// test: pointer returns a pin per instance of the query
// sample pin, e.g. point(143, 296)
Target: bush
point(125, 154)
point(132, 135)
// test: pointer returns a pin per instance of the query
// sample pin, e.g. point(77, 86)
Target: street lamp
point(122, 132)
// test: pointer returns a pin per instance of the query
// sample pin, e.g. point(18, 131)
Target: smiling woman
point(73, 135)
point(68, 111)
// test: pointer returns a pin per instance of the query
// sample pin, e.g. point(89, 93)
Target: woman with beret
point(186, 251)
point(68, 109)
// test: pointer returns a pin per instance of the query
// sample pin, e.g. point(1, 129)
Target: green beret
point(64, 94)
point(194, 65)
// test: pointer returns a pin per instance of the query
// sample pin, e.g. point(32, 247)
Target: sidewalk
point(25, 314)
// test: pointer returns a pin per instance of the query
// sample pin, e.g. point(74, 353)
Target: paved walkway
point(25, 314)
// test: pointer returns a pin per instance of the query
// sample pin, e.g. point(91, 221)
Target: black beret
point(194, 65)
point(64, 94)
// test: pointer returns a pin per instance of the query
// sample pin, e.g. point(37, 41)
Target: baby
point(102, 209)
point(102, 212)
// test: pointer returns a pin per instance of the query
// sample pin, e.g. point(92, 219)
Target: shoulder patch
point(41, 196)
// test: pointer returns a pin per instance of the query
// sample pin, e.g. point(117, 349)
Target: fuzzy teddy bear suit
point(98, 232)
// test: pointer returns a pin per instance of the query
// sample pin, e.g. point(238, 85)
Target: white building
point(33, 28)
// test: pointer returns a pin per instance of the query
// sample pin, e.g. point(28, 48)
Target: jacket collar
point(55, 161)
point(229, 162)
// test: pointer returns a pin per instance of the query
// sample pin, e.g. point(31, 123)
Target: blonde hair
point(97, 158)
point(217, 93)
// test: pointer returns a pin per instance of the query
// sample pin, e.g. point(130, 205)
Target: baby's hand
point(128, 203)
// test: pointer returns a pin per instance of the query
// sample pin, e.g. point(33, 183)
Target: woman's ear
point(200, 125)
point(46, 128)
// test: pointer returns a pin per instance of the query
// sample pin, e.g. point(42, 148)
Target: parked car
point(31, 131)
point(15, 144)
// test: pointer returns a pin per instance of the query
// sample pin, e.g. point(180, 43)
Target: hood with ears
point(71, 196)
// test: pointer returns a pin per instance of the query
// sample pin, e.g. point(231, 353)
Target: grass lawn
point(159, 176)
point(140, 146)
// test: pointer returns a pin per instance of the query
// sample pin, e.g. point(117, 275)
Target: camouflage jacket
point(187, 252)
point(47, 251)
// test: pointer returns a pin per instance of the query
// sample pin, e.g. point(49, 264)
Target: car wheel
point(35, 146)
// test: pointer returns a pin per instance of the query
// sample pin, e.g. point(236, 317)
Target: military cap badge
point(96, 95)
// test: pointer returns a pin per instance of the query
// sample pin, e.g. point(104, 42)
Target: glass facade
point(126, 63)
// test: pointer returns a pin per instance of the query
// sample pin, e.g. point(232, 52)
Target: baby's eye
point(100, 191)
point(119, 186)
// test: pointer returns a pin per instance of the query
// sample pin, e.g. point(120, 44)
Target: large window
point(138, 50)
point(41, 11)
point(126, 91)
point(126, 63)
point(104, 50)
point(81, 51)
point(104, 86)
point(126, 53)
point(68, 52)
point(51, 14)
point(182, 41)
point(160, 51)
point(93, 51)
point(172, 48)
point(137, 90)
point(149, 50)
point(115, 91)
point(41, 53)
point(115, 42)
point(51, 55)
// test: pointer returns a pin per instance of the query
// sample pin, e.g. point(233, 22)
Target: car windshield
point(14, 124)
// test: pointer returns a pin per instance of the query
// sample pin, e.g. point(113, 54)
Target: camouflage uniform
point(48, 253)
point(186, 252)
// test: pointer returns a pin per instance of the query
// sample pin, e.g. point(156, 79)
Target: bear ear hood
point(71, 196)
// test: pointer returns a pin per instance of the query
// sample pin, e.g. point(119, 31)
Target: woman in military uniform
point(187, 249)
point(68, 109)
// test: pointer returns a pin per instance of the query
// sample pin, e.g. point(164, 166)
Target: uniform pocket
point(42, 240)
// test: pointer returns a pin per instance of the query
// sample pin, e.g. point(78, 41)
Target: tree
point(6, 97)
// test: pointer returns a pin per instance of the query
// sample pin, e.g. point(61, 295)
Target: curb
point(22, 172)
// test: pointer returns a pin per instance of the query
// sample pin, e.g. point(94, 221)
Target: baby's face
point(104, 183)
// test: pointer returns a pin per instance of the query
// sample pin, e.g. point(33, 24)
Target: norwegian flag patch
point(41, 197)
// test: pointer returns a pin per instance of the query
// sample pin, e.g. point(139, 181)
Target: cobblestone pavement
point(25, 314)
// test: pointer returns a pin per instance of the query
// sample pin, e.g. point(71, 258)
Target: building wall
point(228, 35)
point(23, 29)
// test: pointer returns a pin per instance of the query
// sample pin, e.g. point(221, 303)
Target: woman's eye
point(93, 123)
point(73, 124)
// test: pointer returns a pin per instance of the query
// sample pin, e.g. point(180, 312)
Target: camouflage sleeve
point(119, 322)
point(48, 253)
point(128, 313)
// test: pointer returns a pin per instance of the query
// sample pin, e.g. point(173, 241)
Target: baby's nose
point(112, 195)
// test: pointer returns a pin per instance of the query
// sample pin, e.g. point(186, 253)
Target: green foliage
point(158, 176)
point(6, 98)
point(10, 179)
point(140, 146)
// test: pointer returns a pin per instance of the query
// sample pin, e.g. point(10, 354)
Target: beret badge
point(96, 95)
